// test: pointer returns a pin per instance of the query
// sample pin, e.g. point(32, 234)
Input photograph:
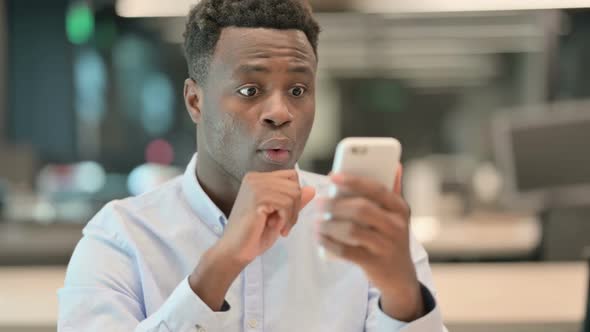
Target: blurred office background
point(490, 99)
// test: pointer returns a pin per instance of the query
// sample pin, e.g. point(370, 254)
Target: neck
point(219, 185)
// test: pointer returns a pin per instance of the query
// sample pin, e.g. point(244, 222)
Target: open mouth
point(277, 150)
point(276, 156)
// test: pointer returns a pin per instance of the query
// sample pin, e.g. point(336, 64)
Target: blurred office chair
point(542, 151)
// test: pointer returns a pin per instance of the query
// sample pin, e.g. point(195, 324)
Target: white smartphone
point(376, 158)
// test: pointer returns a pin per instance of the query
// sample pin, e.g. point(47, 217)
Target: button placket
point(253, 296)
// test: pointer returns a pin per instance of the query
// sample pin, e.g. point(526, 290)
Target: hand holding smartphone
point(376, 158)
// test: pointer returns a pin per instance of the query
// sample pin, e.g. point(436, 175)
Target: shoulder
point(119, 219)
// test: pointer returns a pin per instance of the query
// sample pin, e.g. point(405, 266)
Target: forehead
point(240, 45)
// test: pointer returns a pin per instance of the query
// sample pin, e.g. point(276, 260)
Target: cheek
point(307, 117)
point(222, 125)
point(236, 129)
point(227, 131)
point(243, 117)
point(220, 128)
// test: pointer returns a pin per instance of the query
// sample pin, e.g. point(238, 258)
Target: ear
point(193, 99)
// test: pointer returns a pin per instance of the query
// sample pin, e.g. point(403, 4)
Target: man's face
point(258, 103)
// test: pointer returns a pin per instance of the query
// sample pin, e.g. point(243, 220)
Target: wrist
point(219, 262)
point(405, 304)
point(213, 276)
point(228, 255)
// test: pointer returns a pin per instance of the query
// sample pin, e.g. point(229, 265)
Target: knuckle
point(343, 251)
point(352, 254)
point(367, 208)
point(249, 177)
point(400, 224)
point(296, 190)
point(285, 202)
point(359, 207)
point(381, 190)
point(325, 228)
point(349, 228)
point(264, 200)
point(355, 231)
point(352, 183)
point(292, 173)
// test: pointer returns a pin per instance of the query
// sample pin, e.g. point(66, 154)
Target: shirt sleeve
point(102, 291)
point(378, 321)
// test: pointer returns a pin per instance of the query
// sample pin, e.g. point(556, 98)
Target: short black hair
point(209, 17)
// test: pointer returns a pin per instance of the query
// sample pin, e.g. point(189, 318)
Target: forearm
point(213, 276)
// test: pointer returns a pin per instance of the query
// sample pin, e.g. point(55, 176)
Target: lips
point(276, 150)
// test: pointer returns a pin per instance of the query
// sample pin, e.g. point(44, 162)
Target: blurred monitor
point(544, 154)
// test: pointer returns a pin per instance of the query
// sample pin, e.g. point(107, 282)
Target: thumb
point(307, 194)
point(397, 186)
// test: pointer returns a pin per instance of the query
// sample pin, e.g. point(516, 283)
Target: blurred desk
point(36, 244)
point(473, 297)
point(512, 293)
point(480, 237)
point(28, 297)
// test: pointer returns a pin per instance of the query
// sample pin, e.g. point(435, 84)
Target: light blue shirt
point(130, 271)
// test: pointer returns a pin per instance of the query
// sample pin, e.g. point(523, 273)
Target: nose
point(276, 112)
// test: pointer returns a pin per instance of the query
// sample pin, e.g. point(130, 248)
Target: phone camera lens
point(359, 149)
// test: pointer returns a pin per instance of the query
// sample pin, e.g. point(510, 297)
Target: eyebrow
point(248, 69)
point(300, 69)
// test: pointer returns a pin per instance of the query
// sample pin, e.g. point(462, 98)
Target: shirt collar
point(199, 201)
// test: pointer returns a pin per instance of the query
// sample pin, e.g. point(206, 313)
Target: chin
point(275, 167)
point(271, 167)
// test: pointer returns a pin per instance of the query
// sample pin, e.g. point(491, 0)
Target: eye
point(297, 91)
point(248, 91)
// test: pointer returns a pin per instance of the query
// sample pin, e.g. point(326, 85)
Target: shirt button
point(218, 229)
point(200, 328)
point(253, 323)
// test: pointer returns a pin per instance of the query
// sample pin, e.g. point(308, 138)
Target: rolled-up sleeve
point(102, 292)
